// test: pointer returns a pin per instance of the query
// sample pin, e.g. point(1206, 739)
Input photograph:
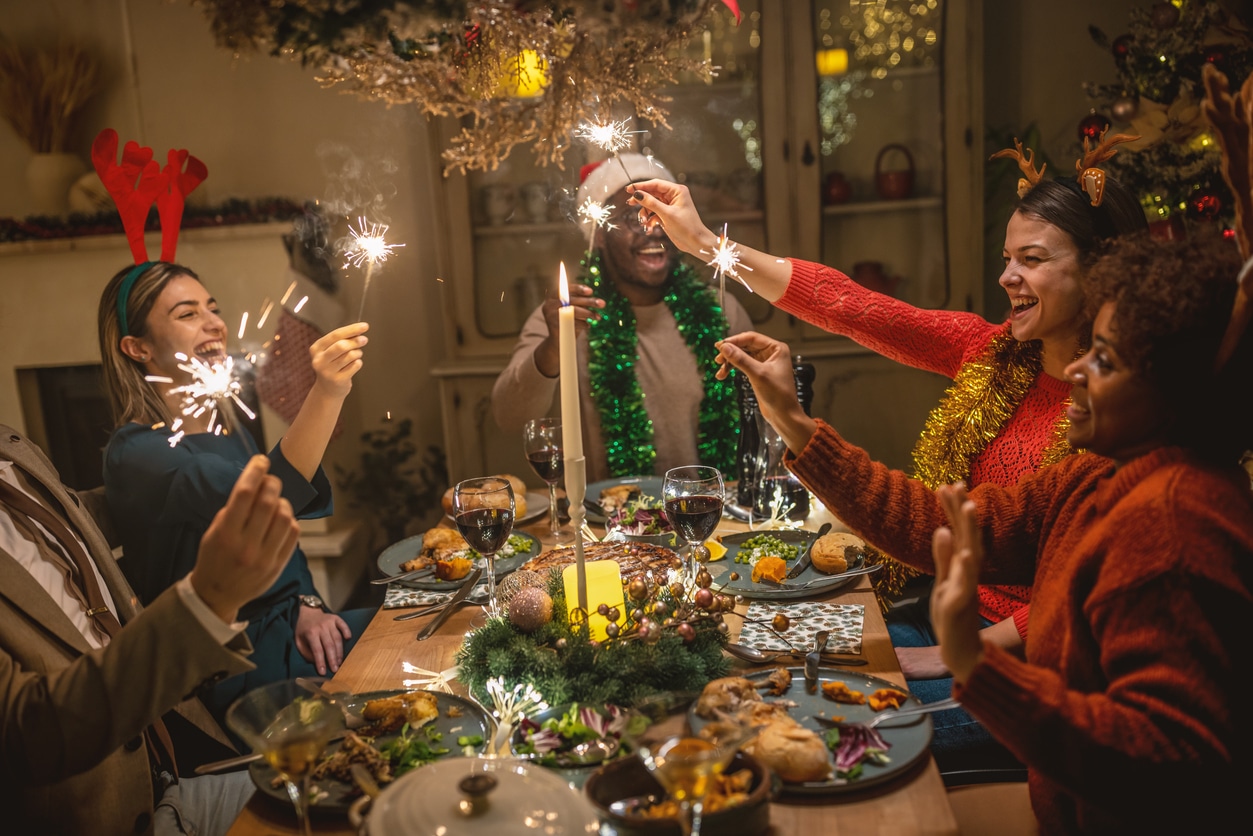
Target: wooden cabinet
point(760, 148)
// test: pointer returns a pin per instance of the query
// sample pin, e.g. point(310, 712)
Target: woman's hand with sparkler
point(337, 357)
point(248, 543)
point(768, 364)
point(586, 308)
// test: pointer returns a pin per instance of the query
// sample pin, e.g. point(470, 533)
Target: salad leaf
point(642, 515)
point(413, 748)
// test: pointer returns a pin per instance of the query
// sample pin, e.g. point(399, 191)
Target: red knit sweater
point(941, 342)
point(1130, 709)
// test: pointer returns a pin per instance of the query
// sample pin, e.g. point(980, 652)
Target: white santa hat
point(602, 180)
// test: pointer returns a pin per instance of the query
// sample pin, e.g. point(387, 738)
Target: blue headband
point(124, 292)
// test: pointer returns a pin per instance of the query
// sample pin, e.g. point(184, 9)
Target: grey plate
point(909, 743)
point(339, 796)
point(536, 508)
point(649, 486)
point(722, 569)
point(397, 553)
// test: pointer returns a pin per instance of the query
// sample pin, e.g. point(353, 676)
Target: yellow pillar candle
point(604, 586)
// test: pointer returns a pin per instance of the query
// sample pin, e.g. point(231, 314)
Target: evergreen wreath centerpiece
point(661, 636)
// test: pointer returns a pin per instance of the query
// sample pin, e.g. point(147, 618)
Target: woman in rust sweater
point(1126, 708)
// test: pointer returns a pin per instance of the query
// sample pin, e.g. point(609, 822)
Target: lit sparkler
point(726, 262)
point(595, 214)
point(367, 247)
point(211, 385)
point(612, 136)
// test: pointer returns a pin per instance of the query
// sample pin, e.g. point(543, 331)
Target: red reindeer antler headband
point(134, 184)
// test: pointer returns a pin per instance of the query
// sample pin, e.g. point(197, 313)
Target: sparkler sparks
point(211, 385)
point(367, 247)
point(726, 262)
point(595, 214)
point(612, 136)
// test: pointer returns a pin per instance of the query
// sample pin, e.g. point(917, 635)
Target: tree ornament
point(1229, 234)
point(735, 576)
point(1092, 126)
point(636, 615)
point(603, 609)
point(637, 589)
point(516, 581)
point(1216, 54)
point(686, 631)
point(1121, 47)
point(723, 627)
point(659, 608)
point(613, 614)
point(676, 591)
point(780, 622)
point(1125, 108)
point(1164, 15)
point(612, 630)
point(703, 578)
point(562, 643)
point(530, 609)
point(1205, 205)
point(653, 636)
point(703, 598)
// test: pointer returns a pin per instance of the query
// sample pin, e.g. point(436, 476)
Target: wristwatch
point(313, 601)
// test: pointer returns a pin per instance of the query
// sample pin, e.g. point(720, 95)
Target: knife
point(813, 660)
point(461, 595)
point(805, 560)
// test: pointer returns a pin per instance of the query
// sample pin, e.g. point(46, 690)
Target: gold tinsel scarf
point(973, 411)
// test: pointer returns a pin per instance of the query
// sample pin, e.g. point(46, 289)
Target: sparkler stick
point(726, 262)
point(367, 247)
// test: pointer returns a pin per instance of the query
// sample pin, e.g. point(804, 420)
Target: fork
point(404, 576)
point(916, 711)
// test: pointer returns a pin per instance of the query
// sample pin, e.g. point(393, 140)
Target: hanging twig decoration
point(515, 72)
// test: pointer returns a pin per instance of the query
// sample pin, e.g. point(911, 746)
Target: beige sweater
point(666, 371)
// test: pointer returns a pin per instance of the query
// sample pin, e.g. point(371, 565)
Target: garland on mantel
point(228, 213)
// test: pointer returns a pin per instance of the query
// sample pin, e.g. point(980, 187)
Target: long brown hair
point(131, 397)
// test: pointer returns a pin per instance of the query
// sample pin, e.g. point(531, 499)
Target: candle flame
point(563, 287)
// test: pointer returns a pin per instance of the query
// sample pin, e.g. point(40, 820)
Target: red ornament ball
point(1121, 47)
point(703, 598)
point(1092, 126)
point(1205, 205)
point(1229, 234)
point(1164, 15)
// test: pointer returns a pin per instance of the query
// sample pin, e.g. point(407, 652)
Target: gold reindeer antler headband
point(1231, 116)
point(1026, 162)
point(1091, 178)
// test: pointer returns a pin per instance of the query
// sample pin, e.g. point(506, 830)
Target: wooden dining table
point(916, 802)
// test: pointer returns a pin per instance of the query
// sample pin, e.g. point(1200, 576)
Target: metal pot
point(477, 796)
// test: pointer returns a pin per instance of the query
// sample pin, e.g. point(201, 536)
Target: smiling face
point(638, 262)
point(1115, 410)
point(1044, 281)
point(184, 319)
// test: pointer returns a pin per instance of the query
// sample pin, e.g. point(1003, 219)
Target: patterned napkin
point(844, 621)
point(398, 595)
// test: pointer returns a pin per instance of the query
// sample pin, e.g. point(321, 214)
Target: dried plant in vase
point(42, 91)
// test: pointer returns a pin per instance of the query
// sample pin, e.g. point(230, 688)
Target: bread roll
point(828, 552)
point(519, 496)
point(795, 753)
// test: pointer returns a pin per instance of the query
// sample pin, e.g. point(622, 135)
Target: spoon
point(757, 656)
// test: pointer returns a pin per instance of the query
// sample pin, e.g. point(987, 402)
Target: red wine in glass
point(548, 464)
point(486, 529)
point(694, 517)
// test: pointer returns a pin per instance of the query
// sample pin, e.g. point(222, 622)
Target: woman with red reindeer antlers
point(170, 463)
point(1005, 414)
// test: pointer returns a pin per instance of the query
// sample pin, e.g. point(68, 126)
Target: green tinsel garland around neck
point(615, 388)
point(618, 672)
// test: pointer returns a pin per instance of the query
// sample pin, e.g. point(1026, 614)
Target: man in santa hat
point(647, 324)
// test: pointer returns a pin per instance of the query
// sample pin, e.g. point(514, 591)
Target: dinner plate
point(649, 486)
point(337, 796)
point(397, 553)
point(910, 741)
point(721, 570)
point(536, 508)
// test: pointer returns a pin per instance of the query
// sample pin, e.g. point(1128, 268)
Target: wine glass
point(289, 726)
point(541, 441)
point(693, 496)
point(686, 766)
point(483, 509)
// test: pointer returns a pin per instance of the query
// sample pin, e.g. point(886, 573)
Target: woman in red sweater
point(1127, 708)
point(970, 437)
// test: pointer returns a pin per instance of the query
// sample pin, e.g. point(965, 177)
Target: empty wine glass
point(541, 441)
point(290, 727)
point(693, 496)
point(686, 766)
point(483, 510)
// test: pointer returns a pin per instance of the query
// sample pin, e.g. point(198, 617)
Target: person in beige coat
point(76, 702)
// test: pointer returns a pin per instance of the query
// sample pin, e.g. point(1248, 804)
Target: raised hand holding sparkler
point(367, 246)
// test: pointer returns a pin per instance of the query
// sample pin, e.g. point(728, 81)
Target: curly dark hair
point(1173, 301)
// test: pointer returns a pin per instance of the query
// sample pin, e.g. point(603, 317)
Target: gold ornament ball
point(514, 582)
point(530, 609)
point(781, 622)
point(637, 589)
point(703, 578)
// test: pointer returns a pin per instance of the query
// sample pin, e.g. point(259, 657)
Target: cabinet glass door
point(881, 144)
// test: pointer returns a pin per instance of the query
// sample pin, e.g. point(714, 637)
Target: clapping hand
point(958, 553)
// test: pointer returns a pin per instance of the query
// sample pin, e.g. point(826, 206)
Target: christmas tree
point(1175, 165)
